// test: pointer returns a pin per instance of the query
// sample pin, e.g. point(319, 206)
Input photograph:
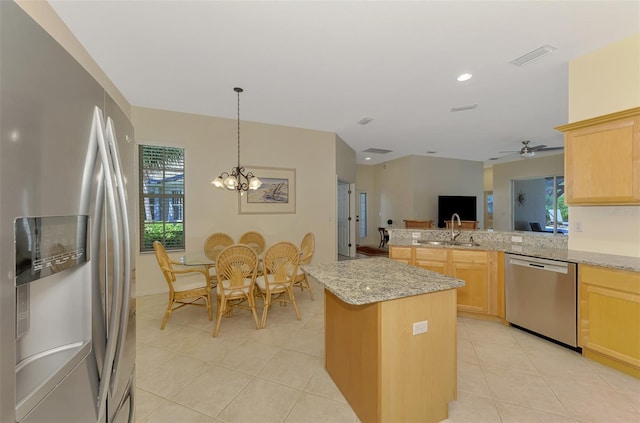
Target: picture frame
point(276, 195)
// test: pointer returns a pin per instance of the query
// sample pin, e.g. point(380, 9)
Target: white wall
point(533, 209)
point(504, 173)
point(433, 176)
point(210, 148)
point(408, 189)
point(601, 82)
point(394, 183)
point(345, 161)
point(47, 18)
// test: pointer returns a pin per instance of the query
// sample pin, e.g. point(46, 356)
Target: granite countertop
point(371, 280)
point(563, 254)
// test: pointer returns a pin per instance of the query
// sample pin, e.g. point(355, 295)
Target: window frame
point(161, 199)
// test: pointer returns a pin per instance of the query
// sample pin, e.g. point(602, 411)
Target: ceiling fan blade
point(550, 148)
point(537, 147)
point(510, 151)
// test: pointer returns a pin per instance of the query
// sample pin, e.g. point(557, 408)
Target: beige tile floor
point(276, 374)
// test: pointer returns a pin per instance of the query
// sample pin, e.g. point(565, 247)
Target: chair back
point(254, 240)
point(281, 263)
point(165, 263)
point(307, 246)
point(238, 265)
point(215, 243)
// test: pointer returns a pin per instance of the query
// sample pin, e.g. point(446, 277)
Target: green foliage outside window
point(166, 233)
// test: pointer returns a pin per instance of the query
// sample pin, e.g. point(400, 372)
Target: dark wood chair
point(384, 237)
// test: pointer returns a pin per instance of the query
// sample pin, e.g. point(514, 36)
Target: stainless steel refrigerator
point(67, 191)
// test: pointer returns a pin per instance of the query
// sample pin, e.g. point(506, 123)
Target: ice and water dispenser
point(53, 303)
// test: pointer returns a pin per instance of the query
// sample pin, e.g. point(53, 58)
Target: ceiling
point(326, 65)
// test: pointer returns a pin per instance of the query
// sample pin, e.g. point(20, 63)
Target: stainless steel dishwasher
point(540, 295)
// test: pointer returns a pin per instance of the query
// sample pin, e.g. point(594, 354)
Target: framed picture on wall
point(276, 195)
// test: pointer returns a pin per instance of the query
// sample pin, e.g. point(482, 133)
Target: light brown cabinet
point(477, 269)
point(609, 317)
point(482, 294)
point(434, 259)
point(403, 254)
point(367, 348)
point(602, 159)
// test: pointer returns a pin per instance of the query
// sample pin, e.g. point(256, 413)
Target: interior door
point(343, 218)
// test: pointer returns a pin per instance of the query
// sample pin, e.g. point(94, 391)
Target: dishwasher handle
point(547, 265)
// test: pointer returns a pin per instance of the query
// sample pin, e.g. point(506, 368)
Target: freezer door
point(46, 107)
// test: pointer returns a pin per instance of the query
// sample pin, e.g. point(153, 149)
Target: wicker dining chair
point(236, 268)
point(307, 246)
point(280, 265)
point(187, 285)
point(213, 245)
point(254, 240)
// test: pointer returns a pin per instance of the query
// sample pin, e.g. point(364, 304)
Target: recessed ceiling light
point(367, 158)
point(464, 77)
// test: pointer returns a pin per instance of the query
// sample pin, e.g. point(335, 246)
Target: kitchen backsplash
point(528, 239)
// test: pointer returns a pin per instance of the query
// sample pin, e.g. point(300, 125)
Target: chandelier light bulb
point(218, 182)
point(255, 183)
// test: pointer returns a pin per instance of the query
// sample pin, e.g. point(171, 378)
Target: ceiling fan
point(528, 152)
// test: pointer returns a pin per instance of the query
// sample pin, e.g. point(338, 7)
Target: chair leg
point(293, 300)
point(222, 303)
point(168, 312)
point(265, 309)
point(209, 306)
point(305, 282)
point(252, 303)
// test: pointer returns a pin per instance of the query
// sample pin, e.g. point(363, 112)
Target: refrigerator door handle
point(114, 319)
point(126, 248)
point(97, 306)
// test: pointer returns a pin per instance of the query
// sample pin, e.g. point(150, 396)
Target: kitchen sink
point(453, 243)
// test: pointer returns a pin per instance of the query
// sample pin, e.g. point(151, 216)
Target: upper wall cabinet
point(602, 159)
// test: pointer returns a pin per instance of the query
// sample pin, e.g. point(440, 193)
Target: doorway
point(344, 218)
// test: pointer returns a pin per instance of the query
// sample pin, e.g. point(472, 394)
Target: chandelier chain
point(238, 93)
point(239, 179)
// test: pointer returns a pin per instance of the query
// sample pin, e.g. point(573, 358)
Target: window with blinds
point(161, 197)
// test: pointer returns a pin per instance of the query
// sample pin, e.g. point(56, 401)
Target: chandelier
point(239, 179)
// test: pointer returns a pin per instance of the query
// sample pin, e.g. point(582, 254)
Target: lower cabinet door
point(609, 317)
point(474, 296)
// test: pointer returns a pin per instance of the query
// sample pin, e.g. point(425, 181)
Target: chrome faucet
point(455, 234)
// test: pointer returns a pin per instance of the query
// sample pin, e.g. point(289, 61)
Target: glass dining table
point(196, 258)
point(199, 258)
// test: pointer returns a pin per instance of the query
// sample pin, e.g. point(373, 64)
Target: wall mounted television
point(465, 206)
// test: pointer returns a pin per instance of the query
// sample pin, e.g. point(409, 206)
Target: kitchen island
point(373, 307)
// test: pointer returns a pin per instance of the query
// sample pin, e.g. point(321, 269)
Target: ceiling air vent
point(461, 108)
point(377, 151)
point(533, 55)
point(364, 121)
